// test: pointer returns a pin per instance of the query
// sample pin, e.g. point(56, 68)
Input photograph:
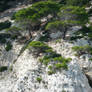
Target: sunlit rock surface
point(26, 69)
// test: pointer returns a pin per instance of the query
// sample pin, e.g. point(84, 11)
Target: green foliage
point(37, 11)
point(50, 67)
point(59, 59)
point(14, 31)
point(60, 62)
point(61, 65)
point(50, 72)
point(39, 45)
point(39, 79)
point(63, 91)
point(8, 46)
point(50, 56)
point(77, 2)
point(84, 31)
point(4, 25)
point(83, 49)
point(58, 65)
point(54, 25)
point(3, 68)
point(74, 13)
point(60, 25)
point(58, 41)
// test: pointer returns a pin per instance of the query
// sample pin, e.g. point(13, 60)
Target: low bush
point(57, 62)
point(76, 14)
point(3, 68)
point(50, 67)
point(14, 31)
point(58, 65)
point(4, 25)
point(8, 46)
point(38, 10)
point(83, 49)
point(39, 79)
point(78, 2)
point(42, 47)
point(50, 72)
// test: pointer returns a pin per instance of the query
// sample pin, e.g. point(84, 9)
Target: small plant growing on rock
point(50, 72)
point(39, 79)
point(39, 46)
point(58, 65)
point(50, 67)
point(63, 91)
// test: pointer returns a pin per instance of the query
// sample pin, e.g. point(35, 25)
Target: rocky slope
point(27, 69)
point(26, 74)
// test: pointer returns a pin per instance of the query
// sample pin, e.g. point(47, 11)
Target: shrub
point(50, 67)
point(3, 68)
point(77, 2)
point(54, 25)
point(64, 65)
point(75, 13)
point(50, 72)
point(58, 65)
point(38, 10)
point(85, 31)
point(61, 65)
point(4, 25)
point(8, 46)
point(45, 62)
point(83, 49)
point(50, 56)
point(61, 26)
point(14, 31)
point(62, 59)
point(63, 91)
point(40, 46)
point(39, 79)
point(60, 62)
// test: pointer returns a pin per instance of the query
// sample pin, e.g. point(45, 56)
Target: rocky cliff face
point(26, 70)
point(25, 73)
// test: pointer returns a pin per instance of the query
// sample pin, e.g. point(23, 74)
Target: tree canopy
point(38, 10)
